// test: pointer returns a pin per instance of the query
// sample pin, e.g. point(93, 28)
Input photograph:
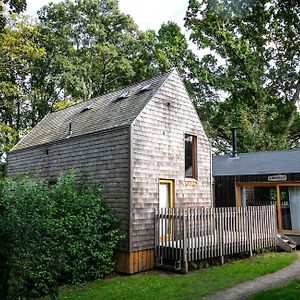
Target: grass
point(289, 292)
point(160, 285)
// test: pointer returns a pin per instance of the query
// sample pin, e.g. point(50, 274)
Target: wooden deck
point(184, 235)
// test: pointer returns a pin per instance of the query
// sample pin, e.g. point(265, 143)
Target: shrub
point(2, 169)
point(52, 236)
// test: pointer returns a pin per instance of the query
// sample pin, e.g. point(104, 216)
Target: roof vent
point(70, 131)
point(145, 88)
point(88, 106)
point(234, 154)
point(123, 95)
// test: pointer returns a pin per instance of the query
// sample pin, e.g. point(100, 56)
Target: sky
point(147, 14)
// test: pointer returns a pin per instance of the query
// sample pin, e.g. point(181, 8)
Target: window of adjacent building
point(190, 156)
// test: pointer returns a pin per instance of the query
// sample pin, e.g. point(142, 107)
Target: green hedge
point(50, 236)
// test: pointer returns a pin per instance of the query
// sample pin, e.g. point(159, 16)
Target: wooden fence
point(183, 235)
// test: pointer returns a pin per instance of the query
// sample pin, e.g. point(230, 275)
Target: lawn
point(161, 285)
point(288, 292)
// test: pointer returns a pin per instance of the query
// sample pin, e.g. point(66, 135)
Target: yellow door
point(166, 200)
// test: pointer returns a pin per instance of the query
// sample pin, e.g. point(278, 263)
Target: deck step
point(285, 243)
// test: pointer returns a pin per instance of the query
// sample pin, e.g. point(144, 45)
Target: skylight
point(88, 106)
point(123, 95)
point(145, 87)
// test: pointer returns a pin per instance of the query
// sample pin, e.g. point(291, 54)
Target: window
point(88, 106)
point(190, 156)
point(145, 88)
point(123, 95)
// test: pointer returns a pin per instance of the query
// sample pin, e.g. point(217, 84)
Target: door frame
point(171, 182)
point(277, 185)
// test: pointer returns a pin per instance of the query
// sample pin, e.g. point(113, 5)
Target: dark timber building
point(261, 178)
point(145, 144)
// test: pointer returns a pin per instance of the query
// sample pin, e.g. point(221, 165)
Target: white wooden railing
point(184, 235)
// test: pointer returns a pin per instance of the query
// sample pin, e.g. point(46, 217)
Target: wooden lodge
point(146, 146)
point(261, 178)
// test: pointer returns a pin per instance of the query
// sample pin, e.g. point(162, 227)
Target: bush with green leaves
point(50, 236)
point(2, 169)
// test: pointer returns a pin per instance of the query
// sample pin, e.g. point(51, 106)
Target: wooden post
point(185, 261)
point(279, 208)
point(221, 235)
point(238, 196)
point(250, 229)
point(222, 260)
point(188, 236)
point(156, 233)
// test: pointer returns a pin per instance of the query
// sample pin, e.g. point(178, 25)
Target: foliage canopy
point(247, 76)
point(253, 63)
point(76, 50)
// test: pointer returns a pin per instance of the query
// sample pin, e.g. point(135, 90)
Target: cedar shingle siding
point(158, 153)
point(127, 145)
point(101, 157)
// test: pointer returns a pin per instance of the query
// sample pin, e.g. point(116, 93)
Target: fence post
point(250, 222)
point(156, 235)
point(185, 262)
point(221, 235)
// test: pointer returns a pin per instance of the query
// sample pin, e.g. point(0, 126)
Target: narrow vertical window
point(190, 156)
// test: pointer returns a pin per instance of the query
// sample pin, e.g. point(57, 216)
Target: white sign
point(277, 178)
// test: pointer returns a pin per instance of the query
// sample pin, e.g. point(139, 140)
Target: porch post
point(279, 208)
point(238, 196)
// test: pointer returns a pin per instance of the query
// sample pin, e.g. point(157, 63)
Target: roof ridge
point(258, 152)
point(116, 90)
point(166, 76)
point(107, 113)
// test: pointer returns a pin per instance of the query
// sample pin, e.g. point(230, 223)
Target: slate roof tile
point(106, 112)
point(265, 162)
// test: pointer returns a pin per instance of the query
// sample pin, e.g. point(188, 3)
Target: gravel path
point(269, 281)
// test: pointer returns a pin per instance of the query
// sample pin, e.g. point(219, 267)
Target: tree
point(172, 50)
point(14, 6)
point(253, 65)
point(89, 45)
point(96, 48)
point(19, 53)
point(76, 51)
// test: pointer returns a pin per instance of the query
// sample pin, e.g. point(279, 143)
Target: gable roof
point(266, 162)
point(101, 113)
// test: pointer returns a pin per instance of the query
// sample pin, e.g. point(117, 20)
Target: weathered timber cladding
point(101, 157)
point(134, 262)
point(157, 151)
point(127, 145)
point(264, 177)
point(224, 191)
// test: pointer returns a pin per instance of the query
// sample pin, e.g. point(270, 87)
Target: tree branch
point(293, 101)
